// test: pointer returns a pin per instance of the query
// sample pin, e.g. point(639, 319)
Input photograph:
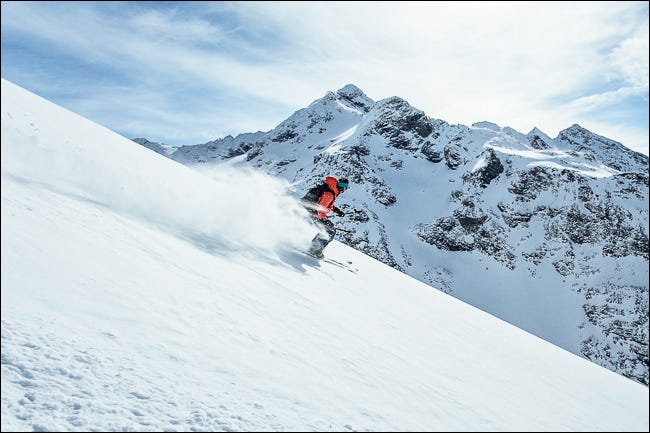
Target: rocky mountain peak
point(355, 97)
point(404, 126)
point(580, 137)
point(394, 103)
point(597, 148)
point(487, 125)
point(350, 90)
point(539, 140)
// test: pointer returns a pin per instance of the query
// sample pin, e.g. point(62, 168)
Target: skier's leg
point(329, 228)
point(321, 240)
point(331, 232)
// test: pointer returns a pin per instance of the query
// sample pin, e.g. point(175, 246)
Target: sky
point(192, 72)
point(142, 295)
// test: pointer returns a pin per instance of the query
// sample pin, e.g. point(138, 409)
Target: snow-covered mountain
point(164, 149)
point(140, 295)
point(550, 234)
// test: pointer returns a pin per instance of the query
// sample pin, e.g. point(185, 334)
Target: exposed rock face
point(548, 234)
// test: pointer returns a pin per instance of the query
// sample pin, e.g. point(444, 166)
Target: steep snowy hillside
point(139, 295)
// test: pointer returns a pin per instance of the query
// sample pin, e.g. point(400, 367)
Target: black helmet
point(343, 184)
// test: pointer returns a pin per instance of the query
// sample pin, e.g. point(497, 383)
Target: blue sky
point(188, 73)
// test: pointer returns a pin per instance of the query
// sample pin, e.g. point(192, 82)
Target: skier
point(319, 201)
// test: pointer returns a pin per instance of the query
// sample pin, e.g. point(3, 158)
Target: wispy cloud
point(187, 73)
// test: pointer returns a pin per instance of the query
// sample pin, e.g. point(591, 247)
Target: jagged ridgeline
point(550, 234)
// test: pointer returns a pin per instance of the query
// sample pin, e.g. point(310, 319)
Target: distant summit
point(598, 148)
point(487, 125)
point(355, 97)
point(164, 149)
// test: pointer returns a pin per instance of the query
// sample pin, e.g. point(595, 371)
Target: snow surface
point(141, 295)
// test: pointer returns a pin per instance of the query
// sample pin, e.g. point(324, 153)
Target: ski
point(346, 266)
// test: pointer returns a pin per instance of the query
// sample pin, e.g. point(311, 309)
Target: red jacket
point(326, 200)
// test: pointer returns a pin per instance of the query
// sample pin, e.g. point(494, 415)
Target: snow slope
point(138, 294)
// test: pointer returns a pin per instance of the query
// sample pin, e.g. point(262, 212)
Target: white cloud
point(631, 59)
point(515, 64)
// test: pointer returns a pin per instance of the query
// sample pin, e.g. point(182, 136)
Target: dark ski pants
point(319, 242)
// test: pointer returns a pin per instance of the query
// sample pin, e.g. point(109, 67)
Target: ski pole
point(342, 230)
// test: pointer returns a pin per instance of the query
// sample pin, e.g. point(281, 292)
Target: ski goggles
point(342, 186)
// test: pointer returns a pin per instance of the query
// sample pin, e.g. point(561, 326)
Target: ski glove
point(339, 212)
